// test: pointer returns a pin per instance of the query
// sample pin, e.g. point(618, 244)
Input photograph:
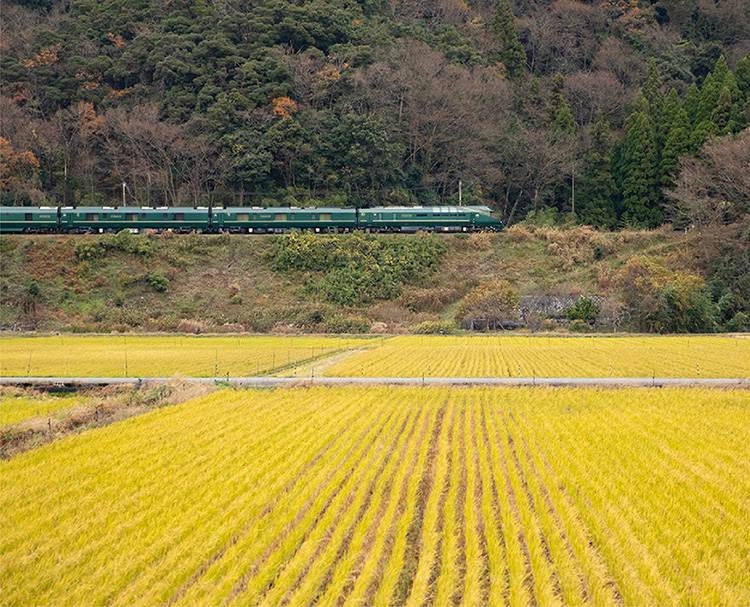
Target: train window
point(243, 216)
point(143, 215)
point(165, 215)
point(131, 216)
point(421, 214)
point(325, 217)
point(28, 216)
point(178, 216)
point(92, 216)
point(280, 217)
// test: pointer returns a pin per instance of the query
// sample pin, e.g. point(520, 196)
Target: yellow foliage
point(15, 167)
point(46, 56)
point(283, 107)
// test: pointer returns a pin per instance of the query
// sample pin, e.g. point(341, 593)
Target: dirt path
point(306, 380)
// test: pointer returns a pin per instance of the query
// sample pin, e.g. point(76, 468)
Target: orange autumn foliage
point(283, 107)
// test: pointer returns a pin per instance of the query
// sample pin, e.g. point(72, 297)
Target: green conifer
point(722, 112)
point(742, 76)
point(598, 187)
point(672, 137)
point(692, 101)
point(702, 131)
point(560, 115)
point(512, 53)
point(651, 88)
point(721, 71)
point(639, 164)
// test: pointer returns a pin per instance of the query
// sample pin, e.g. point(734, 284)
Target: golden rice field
point(516, 356)
point(15, 409)
point(134, 356)
point(390, 496)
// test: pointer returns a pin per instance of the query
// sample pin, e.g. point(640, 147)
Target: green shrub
point(664, 301)
point(347, 324)
point(157, 282)
point(88, 251)
point(358, 268)
point(491, 303)
point(584, 309)
point(122, 241)
point(429, 327)
point(579, 326)
point(739, 322)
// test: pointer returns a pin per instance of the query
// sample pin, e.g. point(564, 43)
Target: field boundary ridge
point(264, 381)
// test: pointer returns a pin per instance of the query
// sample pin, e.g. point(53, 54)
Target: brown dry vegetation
point(103, 406)
point(227, 284)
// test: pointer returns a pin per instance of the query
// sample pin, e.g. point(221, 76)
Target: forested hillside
point(592, 112)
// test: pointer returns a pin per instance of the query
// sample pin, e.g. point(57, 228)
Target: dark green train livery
point(246, 219)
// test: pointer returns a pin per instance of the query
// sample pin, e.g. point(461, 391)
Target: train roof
point(434, 209)
point(136, 209)
point(280, 209)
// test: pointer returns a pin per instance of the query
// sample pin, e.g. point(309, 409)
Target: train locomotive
point(246, 220)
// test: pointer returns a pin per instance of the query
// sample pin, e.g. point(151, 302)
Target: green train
point(248, 220)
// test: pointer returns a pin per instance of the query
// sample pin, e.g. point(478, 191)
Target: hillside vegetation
point(650, 281)
point(359, 103)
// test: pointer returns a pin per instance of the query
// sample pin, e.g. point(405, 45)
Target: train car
point(28, 219)
point(101, 219)
point(275, 219)
point(246, 219)
point(411, 219)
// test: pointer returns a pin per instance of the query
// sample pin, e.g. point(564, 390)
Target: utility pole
point(460, 198)
point(574, 189)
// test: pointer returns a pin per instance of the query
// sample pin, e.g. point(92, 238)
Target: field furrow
point(390, 496)
point(517, 356)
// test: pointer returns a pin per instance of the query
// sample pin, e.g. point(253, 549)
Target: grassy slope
point(227, 283)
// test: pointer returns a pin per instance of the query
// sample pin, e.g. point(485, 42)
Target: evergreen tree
point(709, 96)
point(701, 132)
point(692, 101)
point(640, 193)
point(533, 103)
point(651, 89)
point(742, 76)
point(673, 137)
point(711, 90)
point(722, 112)
point(560, 115)
point(512, 53)
point(721, 71)
point(598, 187)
